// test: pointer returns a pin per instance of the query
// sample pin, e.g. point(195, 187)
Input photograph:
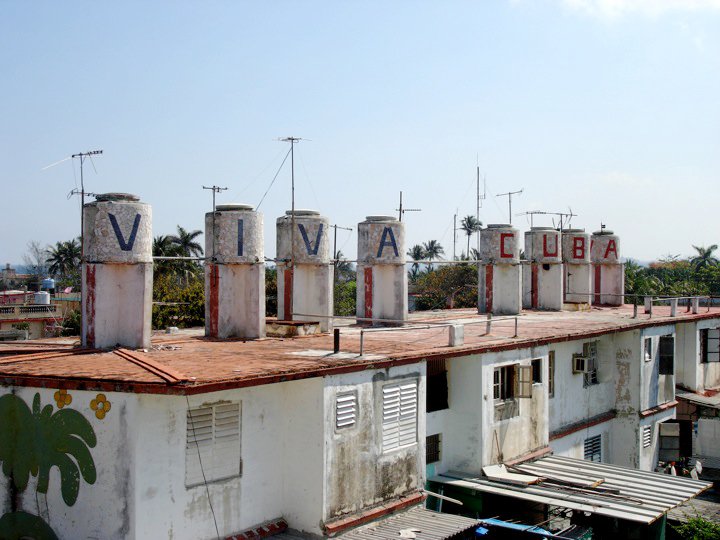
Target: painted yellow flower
point(62, 398)
point(100, 405)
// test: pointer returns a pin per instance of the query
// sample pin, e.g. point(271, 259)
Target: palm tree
point(185, 240)
point(471, 225)
point(433, 250)
point(64, 258)
point(163, 246)
point(416, 253)
point(704, 257)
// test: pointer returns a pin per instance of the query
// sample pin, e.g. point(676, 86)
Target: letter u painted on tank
point(387, 231)
point(546, 251)
point(125, 246)
point(311, 250)
point(240, 238)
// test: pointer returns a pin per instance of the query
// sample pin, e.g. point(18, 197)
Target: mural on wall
point(32, 442)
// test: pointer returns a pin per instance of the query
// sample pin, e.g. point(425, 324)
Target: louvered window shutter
point(212, 451)
point(399, 427)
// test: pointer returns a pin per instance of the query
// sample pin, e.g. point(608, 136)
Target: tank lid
point(542, 229)
point(302, 213)
point(114, 197)
point(380, 218)
point(234, 206)
point(573, 231)
point(603, 232)
point(499, 226)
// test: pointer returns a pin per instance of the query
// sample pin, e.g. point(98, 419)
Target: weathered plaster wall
point(691, 372)
point(235, 300)
point(357, 471)
point(624, 443)
point(655, 389)
point(573, 445)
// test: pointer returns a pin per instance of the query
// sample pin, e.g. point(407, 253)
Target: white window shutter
point(212, 450)
point(399, 426)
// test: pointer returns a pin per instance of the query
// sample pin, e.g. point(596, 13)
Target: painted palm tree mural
point(32, 442)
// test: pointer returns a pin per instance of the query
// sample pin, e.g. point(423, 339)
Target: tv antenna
point(509, 195)
point(401, 211)
point(563, 218)
point(82, 156)
point(480, 198)
point(215, 190)
point(293, 141)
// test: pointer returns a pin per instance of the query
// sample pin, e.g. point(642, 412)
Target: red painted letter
point(579, 247)
point(546, 253)
point(610, 247)
point(504, 254)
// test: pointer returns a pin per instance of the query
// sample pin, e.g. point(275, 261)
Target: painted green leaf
point(22, 526)
point(18, 448)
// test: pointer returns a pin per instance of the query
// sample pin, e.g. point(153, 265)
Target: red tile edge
point(584, 424)
point(658, 409)
point(336, 526)
point(535, 454)
point(269, 528)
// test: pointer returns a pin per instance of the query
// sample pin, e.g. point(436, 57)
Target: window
point(590, 352)
point(593, 448)
point(212, 451)
point(437, 386)
point(666, 352)
point(510, 382)
point(537, 371)
point(345, 410)
point(551, 373)
point(647, 349)
point(646, 436)
point(399, 427)
point(710, 345)
point(432, 448)
point(669, 433)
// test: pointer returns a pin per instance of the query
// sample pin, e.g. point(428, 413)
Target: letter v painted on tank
point(310, 249)
point(387, 231)
point(125, 246)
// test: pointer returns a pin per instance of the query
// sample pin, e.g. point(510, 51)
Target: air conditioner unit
point(580, 364)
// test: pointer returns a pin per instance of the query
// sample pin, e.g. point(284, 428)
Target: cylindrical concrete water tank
point(117, 229)
point(500, 243)
point(576, 246)
point(311, 244)
point(381, 240)
point(234, 235)
point(543, 245)
point(605, 247)
point(42, 298)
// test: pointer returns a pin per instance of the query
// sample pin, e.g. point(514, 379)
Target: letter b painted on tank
point(310, 249)
point(125, 246)
point(578, 247)
point(387, 231)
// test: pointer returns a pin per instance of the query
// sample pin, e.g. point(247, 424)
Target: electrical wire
point(307, 176)
point(274, 178)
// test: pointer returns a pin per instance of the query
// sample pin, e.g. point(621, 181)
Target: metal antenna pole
point(292, 141)
point(454, 233)
point(335, 252)
point(401, 211)
point(82, 156)
point(215, 189)
point(509, 195)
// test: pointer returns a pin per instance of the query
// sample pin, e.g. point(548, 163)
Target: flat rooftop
point(188, 363)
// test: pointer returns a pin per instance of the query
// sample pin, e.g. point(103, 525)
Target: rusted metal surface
point(214, 299)
point(368, 282)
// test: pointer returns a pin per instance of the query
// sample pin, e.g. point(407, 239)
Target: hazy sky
point(610, 107)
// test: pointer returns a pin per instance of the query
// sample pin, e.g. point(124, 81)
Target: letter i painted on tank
point(579, 247)
point(384, 242)
point(503, 253)
point(546, 251)
point(610, 247)
point(311, 250)
point(125, 246)
point(240, 238)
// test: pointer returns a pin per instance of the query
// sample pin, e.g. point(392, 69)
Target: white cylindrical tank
point(381, 274)
point(311, 239)
point(608, 279)
point(305, 277)
point(576, 246)
point(500, 243)
point(234, 273)
point(605, 247)
point(117, 274)
point(42, 298)
point(234, 235)
point(543, 245)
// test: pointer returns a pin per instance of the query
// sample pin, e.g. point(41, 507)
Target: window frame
point(397, 418)
point(346, 407)
point(666, 355)
point(592, 447)
point(551, 374)
point(590, 351)
point(536, 364)
point(437, 391)
point(433, 448)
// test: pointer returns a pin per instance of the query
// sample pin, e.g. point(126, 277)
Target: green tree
point(185, 241)
point(704, 257)
point(471, 225)
point(433, 250)
point(453, 286)
point(179, 302)
point(416, 253)
point(698, 528)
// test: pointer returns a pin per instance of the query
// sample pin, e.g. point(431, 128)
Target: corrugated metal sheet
point(699, 399)
point(622, 492)
point(428, 525)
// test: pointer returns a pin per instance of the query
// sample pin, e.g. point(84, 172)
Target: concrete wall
point(357, 472)
point(708, 438)
point(573, 445)
point(690, 372)
point(655, 389)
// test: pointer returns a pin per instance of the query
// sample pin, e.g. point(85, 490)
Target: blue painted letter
point(384, 242)
point(125, 246)
point(303, 232)
point(240, 237)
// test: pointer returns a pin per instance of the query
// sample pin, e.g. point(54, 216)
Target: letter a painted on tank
point(125, 246)
point(503, 237)
point(610, 247)
point(578, 247)
point(311, 250)
point(546, 252)
point(383, 242)
point(240, 237)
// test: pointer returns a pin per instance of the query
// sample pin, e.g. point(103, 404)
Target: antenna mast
point(82, 156)
point(509, 195)
point(480, 199)
point(292, 141)
point(401, 211)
